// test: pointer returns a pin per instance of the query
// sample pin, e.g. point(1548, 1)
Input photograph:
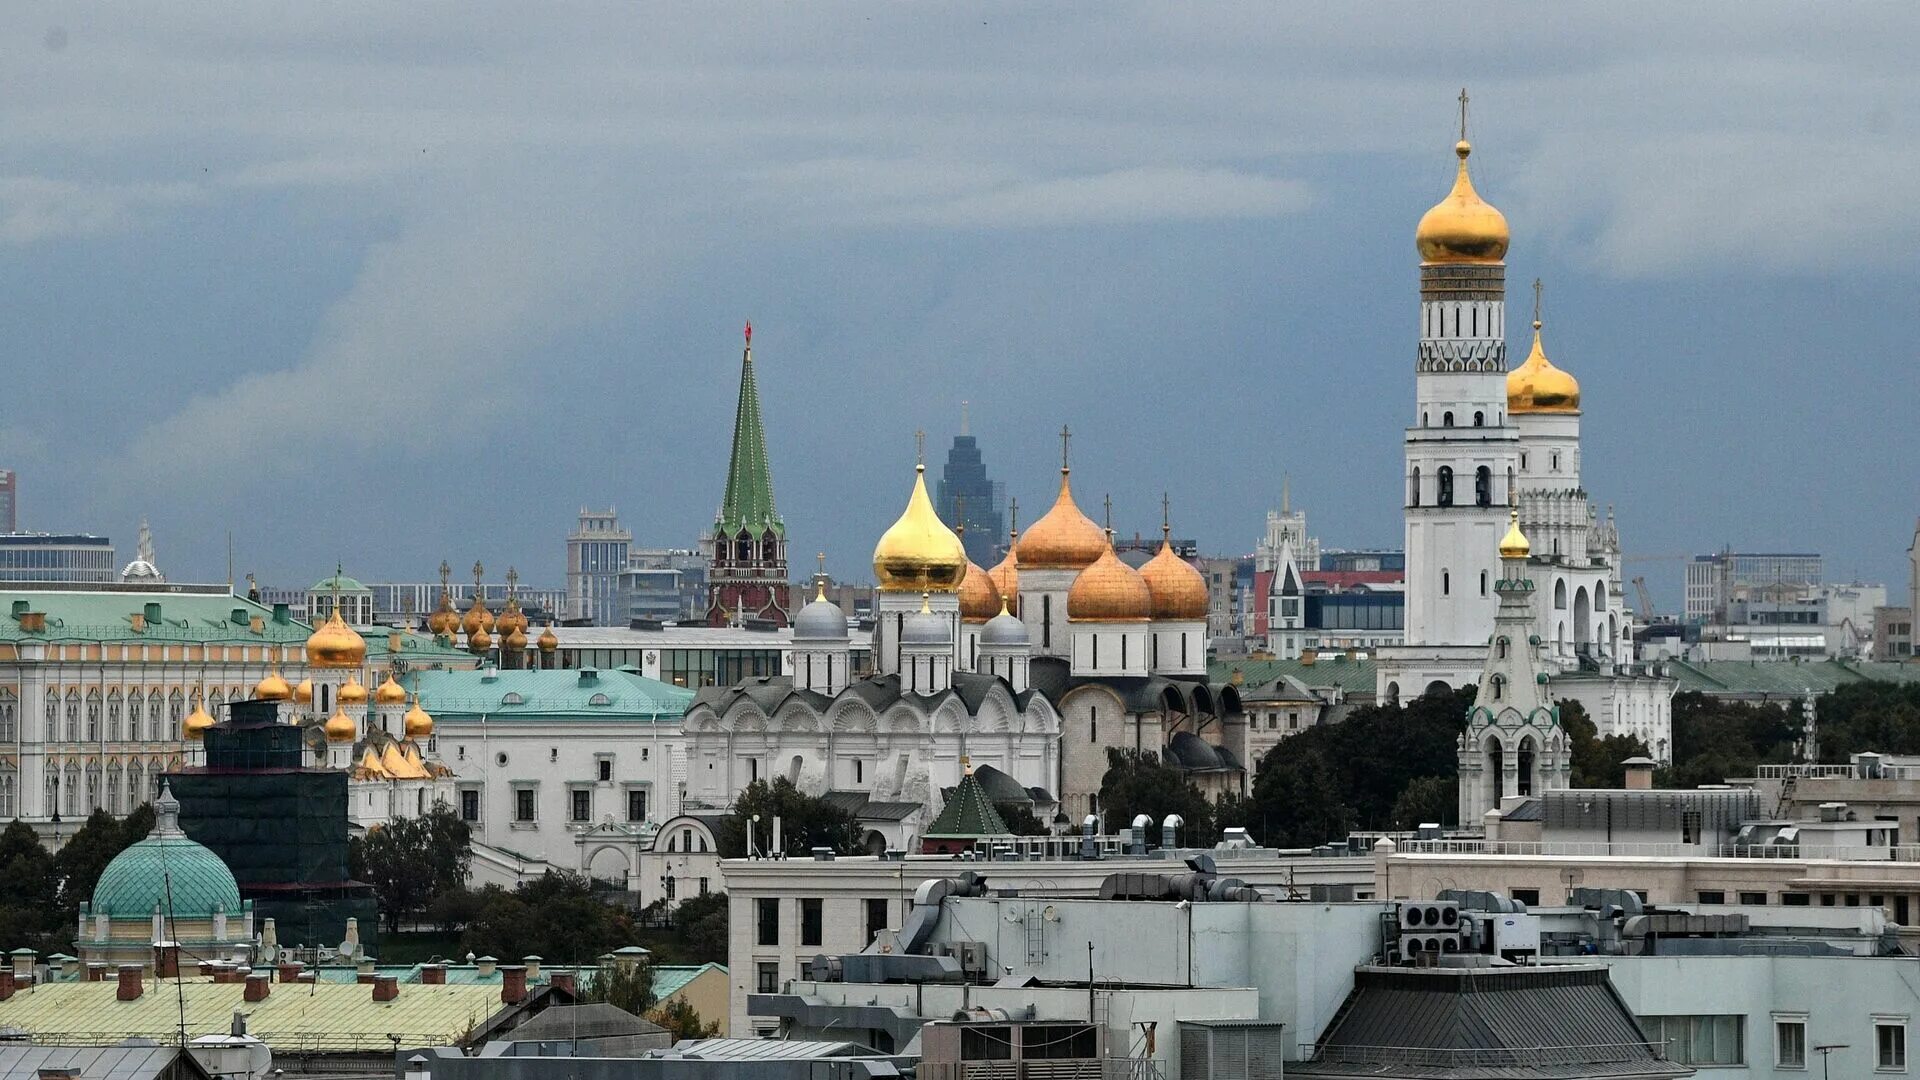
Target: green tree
point(1138, 782)
point(702, 922)
point(1879, 716)
point(682, 1021)
point(84, 857)
point(1596, 761)
point(410, 861)
point(1299, 799)
point(1715, 739)
point(1426, 799)
point(625, 984)
point(556, 916)
point(805, 822)
point(1020, 819)
point(30, 893)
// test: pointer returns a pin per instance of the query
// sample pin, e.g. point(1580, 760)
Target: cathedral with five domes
point(1029, 673)
point(1484, 438)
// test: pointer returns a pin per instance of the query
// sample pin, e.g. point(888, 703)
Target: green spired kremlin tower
point(747, 549)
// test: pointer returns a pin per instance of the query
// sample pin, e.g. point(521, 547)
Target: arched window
point(9, 791)
point(1446, 583)
point(1560, 594)
point(1483, 486)
point(767, 549)
point(93, 715)
point(116, 711)
point(73, 715)
point(1500, 647)
point(176, 712)
point(1556, 461)
point(1600, 597)
point(1425, 421)
point(1479, 418)
point(9, 717)
point(1483, 583)
point(1445, 496)
point(113, 789)
point(1509, 481)
point(1446, 418)
point(153, 716)
point(1499, 687)
point(1413, 489)
point(53, 716)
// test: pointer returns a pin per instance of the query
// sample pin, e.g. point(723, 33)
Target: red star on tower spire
point(749, 333)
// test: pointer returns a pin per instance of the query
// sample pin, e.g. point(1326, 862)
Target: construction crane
point(1646, 600)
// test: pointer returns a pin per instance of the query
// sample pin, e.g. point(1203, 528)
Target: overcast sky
point(391, 283)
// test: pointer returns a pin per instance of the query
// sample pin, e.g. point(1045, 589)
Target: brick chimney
point(259, 985)
point(97, 971)
point(513, 983)
point(563, 980)
point(6, 984)
point(205, 966)
point(290, 971)
point(1639, 773)
point(130, 985)
point(433, 974)
point(386, 987)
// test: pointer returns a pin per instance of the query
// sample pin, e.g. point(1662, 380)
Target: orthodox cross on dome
point(1108, 502)
point(1065, 435)
point(920, 447)
point(1463, 114)
point(477, 571)
point(960, 516)
point(445, 573)
point(1013, 516)
point(1166, 516)
point(513, 578)
point(1536, 303)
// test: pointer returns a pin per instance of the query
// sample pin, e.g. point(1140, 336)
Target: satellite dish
point(346, 949)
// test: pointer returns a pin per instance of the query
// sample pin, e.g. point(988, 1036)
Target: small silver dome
point(820, 620)
point(925, 628)
point(1005, 629)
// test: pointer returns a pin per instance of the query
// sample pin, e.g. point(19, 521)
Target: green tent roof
point(968, 813)
point(548, 695)
point(338, 581)
point(748, 505)
point(107, 615)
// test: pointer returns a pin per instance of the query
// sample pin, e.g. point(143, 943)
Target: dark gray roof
point(999, 786)
point(595, 1020)
point(20, 1061)
point(1530, 810)
point(865, 809)
point(1551, 1023)
point(1053, 677)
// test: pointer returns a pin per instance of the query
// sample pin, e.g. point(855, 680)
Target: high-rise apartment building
point(596, 556)
point(9, 501)
point(56, 557)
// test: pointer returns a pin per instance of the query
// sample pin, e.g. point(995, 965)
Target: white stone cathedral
point(1483, 436)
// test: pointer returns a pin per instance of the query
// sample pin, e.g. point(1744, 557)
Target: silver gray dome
point(820, 620)
point(1005, 629)
point(925, 628)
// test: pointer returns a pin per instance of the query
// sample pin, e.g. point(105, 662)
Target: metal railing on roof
point(1901, 853)
point(1837, 772)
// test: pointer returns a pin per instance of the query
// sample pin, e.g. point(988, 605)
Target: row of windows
point(766, 922)
point(77, 792)
point(1443, 480)
point(579, 804)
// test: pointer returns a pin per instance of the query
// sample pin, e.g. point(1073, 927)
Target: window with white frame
point(523, 804)
point(1790, 1042)
point(1890, 1044)
point(1698, 1040)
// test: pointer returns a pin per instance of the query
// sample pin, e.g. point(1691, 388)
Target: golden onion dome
point(1463, 227)
point(303, 694)
point(979, 599)
point(340, 727)
point(919, 553)
point(1109, 591)
point(548, 640)
point(478, 619)
point(418, 724)
point(389, 692)
point(445, 621)
point(336, 645)
point(272, 688)
point(1063, 538)
point(1006, 576)
point(1514, 545)
point(353, 693)
point(198, 721)
point(1178, 590)
point(511, 619)
point(1538, 387)
point(479, 642)
point(515, 641)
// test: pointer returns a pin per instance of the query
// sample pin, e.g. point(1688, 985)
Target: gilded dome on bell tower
point(1463, 227)
point(919, 553)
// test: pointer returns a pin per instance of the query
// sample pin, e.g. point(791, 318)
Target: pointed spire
point(748, 504)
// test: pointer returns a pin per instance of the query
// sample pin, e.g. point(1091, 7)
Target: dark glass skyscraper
point(964, 486)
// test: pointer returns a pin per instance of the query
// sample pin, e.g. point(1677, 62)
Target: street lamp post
point(1825, 1050)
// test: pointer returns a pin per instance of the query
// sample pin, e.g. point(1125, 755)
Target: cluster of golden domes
point(920, 554)
point(1464, 229)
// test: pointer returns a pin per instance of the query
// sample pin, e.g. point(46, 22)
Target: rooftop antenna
point(963, 418)
point(229, 560)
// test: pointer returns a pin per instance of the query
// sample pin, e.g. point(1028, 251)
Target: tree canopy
point(806, 822)
point(1138, 782)
point(1596, 761)
point(556, 916)
point(411, 862)
point(1714, 739)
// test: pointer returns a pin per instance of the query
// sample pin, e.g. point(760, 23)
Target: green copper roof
point(1784, 677)
point(107, 615)
point(968, 813)
point(548, 695)
point(166, 871)
point(1330, 669)
point(338, 581)
point(749, 501)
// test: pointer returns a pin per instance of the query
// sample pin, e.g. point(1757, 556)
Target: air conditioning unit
point(971, 954)
point(1430, 916)
point(1425, 948)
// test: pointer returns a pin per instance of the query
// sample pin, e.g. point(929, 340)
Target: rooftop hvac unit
point(972, 955)
point(1419, 948)
point(1231, 1050)
point(1430, 916)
